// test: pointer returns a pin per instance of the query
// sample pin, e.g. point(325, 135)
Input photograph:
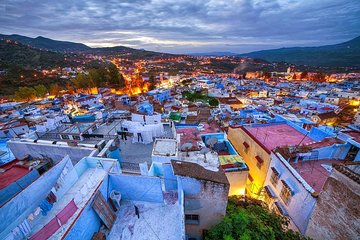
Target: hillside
point(345, 54)
point(17, 54)
point(46, 43)
point(129, 53)
point(61, 46)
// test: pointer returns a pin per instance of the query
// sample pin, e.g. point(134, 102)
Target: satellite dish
point(204, 151)
point(196, 132)
point(212, 141)
point(186, 147)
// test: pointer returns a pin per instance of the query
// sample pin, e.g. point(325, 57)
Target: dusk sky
point(185, 26)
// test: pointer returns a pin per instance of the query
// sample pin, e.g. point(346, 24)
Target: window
point(286, 193)
point(64, 136)
point(260, 161)
point(192, 219)
point(269, 195)
point(251, 179)
point(274, 179)
point(76, 137)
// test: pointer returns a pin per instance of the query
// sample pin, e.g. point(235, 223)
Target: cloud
point(180, 26)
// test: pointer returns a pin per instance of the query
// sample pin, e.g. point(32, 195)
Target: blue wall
point(318, 135)
point(137, 188)
point(19, 207)
point(169, 177)
point(12, 189)
point(89, 222)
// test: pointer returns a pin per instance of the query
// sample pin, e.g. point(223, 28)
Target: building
point(255, 143)
point(291, 188)
point(336, 214)
point(205, 196)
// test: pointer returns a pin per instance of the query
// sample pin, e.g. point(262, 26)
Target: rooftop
point(325, 143)
point(165, 147)
point(11, 172)
point(194, 170)
point(276, 135)
point(193, 134)
point(314, 172)
point(156, 221)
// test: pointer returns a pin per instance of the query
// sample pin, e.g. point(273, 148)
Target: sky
point(185, 26)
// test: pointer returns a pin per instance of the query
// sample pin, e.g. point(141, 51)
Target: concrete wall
point(237, 182)
point(54, 151)
point(206, 199)
point(337, 214)
point(89, 222)
point(137, 187)
point(302, 203)
point(237, 136)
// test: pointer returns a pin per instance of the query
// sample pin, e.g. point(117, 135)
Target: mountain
point(345, 54)
point(46, 43)
point(214, 54)
point(18, 54)
point(130, 53)
point(62, 46)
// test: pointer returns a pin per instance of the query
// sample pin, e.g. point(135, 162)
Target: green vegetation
point(249, 219)
point(152, 82)
point(213, 102)
point(40, 90)
point(200, 97)
point(25, 94)
point(99, 76)
point(12, 54)
point(30, 93)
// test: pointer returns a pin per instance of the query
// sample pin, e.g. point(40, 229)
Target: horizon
point(186, 27)
point(240, 53)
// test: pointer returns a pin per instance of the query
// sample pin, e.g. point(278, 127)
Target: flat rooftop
point(314, 172)
point(11, 172)
point(193, 134)
point(277, 135)
point(156, 221)
point(165, 147)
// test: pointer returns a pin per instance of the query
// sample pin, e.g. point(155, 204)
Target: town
point(180, 120)
point(157, 155)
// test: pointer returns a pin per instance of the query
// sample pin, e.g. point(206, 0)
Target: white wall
point(302, 203)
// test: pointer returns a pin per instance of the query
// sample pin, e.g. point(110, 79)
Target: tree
point(250, 220)
point(40, 90)
point(97, 77)
point(152, 82)
point(115, 77)
point(25, 94)
point(213, 102)
point(81, 81)
point(54, 89)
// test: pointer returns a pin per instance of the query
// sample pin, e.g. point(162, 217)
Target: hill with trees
point(46, 43)
point(345, 54)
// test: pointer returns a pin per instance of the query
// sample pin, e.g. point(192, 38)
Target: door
point(103, 210)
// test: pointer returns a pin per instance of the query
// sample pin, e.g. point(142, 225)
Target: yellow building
point(256, 158)
point(255, 143)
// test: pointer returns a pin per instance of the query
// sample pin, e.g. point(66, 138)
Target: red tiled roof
point(313, 173)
